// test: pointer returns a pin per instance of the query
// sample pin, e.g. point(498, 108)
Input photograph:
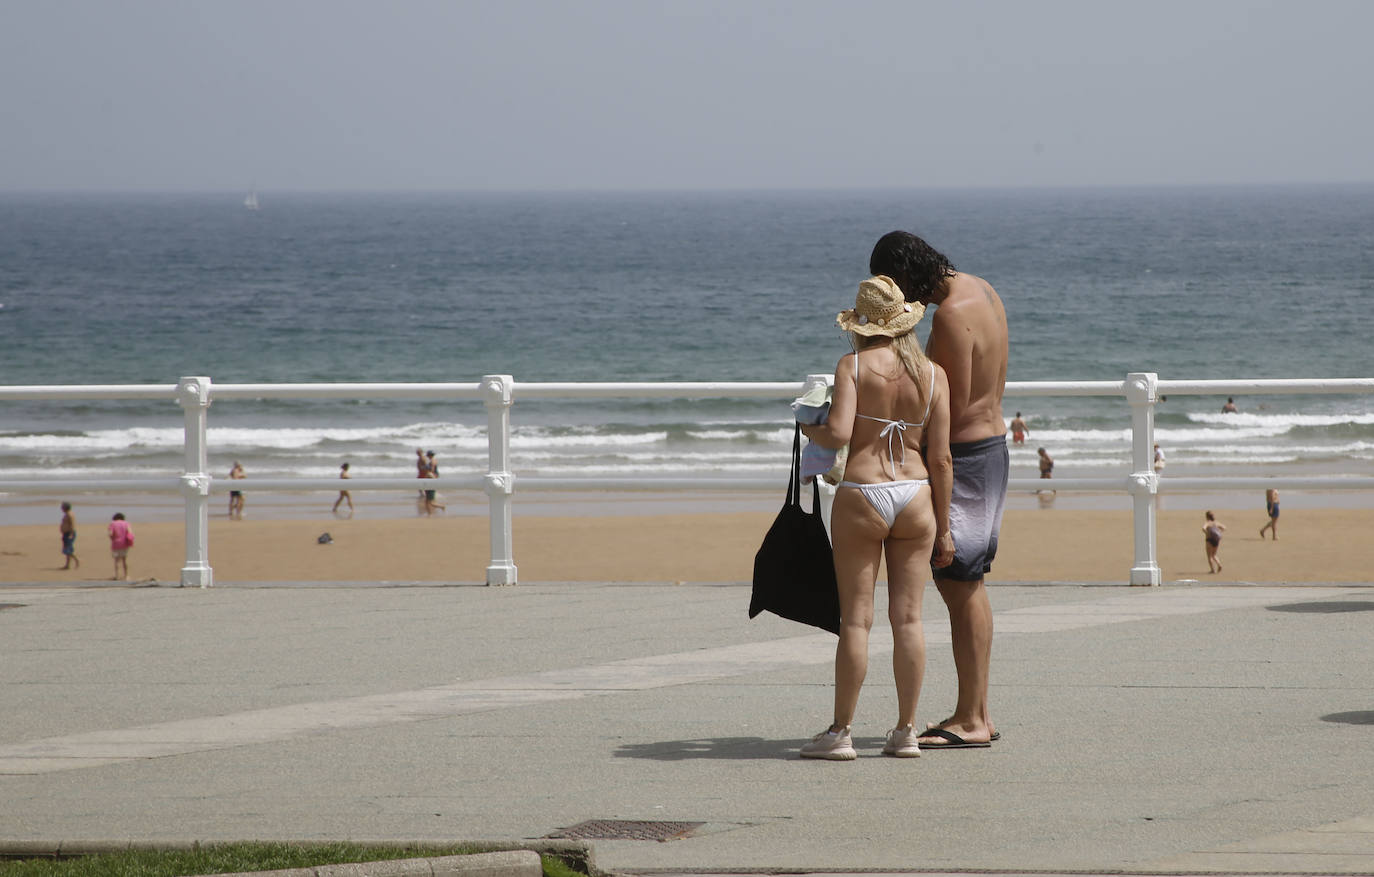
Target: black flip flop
point(954, 740)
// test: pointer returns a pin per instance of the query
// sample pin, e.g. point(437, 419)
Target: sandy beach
point(1038, 545)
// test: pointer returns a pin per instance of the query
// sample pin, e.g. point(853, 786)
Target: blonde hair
point(909, 351)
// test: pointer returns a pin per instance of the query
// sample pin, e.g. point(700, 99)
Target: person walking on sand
point(121, 540)
point(421, 471)
point(968, 339)
point(432, 471)
point(344, 495)
point(1271, 505)
point(236, 473)
point(1019, 430)
point(891, 407)
point(1211, 531)
point(68, 531)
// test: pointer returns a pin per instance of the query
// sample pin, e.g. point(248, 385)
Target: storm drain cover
point(627, 829)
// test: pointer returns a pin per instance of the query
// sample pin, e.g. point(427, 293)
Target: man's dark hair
point(917, 267)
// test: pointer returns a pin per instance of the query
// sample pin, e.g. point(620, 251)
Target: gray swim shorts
point(975, 506)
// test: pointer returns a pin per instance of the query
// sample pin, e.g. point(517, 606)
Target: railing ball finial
point(498, 389)
point(193, 392)
point(1141, 387)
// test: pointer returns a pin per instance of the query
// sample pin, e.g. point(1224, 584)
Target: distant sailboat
point(251, 202)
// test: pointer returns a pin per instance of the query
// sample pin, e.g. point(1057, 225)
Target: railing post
point(193, 395)
point(1144, 483)
point(500, 480)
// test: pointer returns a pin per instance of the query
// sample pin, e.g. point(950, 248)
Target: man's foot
point(901, 743)
point(949, 735)
point(994, 735)
point(943, 738)
point(831, 745)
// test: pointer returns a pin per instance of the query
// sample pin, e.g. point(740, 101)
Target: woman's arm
point(940, 468)
point(839, 425)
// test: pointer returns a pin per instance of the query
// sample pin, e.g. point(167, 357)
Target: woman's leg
point(908, 568)
point(856, 535)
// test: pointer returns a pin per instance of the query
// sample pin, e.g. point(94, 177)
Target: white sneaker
point(901, 743)
point(831, 745)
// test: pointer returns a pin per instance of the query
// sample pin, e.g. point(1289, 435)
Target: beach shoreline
point(652, 537)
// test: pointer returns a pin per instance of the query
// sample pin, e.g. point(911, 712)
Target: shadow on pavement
point(1359, 717)
point(1334, 606)
point(727, 747)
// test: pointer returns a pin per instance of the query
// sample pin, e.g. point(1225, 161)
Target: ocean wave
point(1284, 420)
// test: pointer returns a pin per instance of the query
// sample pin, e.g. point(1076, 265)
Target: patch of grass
point(229, 858)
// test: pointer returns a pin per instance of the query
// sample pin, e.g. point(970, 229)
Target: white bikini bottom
point(888, 498)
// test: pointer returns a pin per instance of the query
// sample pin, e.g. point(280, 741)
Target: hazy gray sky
point(634, 94)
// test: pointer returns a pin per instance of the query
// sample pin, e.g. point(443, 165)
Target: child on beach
point(1271, 505)
point(1212, 531)
point(121, 540)
point(236, 496)
point(68, 530)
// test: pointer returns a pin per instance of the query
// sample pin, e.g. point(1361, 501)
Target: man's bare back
point(968, 339)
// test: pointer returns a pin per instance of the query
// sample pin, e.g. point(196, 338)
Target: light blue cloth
point(812, 407)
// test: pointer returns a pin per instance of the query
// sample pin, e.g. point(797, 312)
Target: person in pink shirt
point(121, 540)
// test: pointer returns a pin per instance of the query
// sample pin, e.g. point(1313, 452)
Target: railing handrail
point(649, 389)
point(497, 392)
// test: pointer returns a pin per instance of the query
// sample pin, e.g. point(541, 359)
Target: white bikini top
point(894, 428)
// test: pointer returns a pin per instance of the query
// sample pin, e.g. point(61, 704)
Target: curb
point(511, 863)
point(497, 859)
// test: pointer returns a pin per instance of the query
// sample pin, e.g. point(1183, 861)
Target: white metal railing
point(497, 392)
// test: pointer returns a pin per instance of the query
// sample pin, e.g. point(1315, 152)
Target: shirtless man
point(1019, 430)
point(68, 531)
point(968, 338)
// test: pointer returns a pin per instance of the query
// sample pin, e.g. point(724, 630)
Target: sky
point(422, 95)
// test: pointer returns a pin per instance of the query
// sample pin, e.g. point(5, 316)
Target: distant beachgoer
point(68, 530)
point(968, 339)
point(891, 407)
point(1229, 407)
point(1159, 459)
point(1212, 531)
point(344, 495)
point(236, 496)
point(1046, 463)
point(121, 540)
point(1271, 505)
point(1019, 430)
point(432, 471)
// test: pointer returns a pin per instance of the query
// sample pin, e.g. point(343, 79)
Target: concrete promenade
point(1216, 728)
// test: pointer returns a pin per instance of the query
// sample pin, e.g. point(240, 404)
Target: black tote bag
point(794, 570)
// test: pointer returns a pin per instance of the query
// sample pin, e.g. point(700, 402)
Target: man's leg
point(970, 623)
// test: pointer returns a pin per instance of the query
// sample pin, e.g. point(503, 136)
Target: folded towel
point(812, 407)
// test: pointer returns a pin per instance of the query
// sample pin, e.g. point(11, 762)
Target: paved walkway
point(1164, 730)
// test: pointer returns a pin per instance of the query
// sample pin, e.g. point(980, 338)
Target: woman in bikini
point(891, 406)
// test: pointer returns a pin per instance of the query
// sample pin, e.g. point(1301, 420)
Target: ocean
point(1191, 283)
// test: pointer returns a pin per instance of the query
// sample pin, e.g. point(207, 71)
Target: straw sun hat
point(879, 309)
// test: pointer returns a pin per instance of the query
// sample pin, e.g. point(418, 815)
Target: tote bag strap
point(794, 485)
